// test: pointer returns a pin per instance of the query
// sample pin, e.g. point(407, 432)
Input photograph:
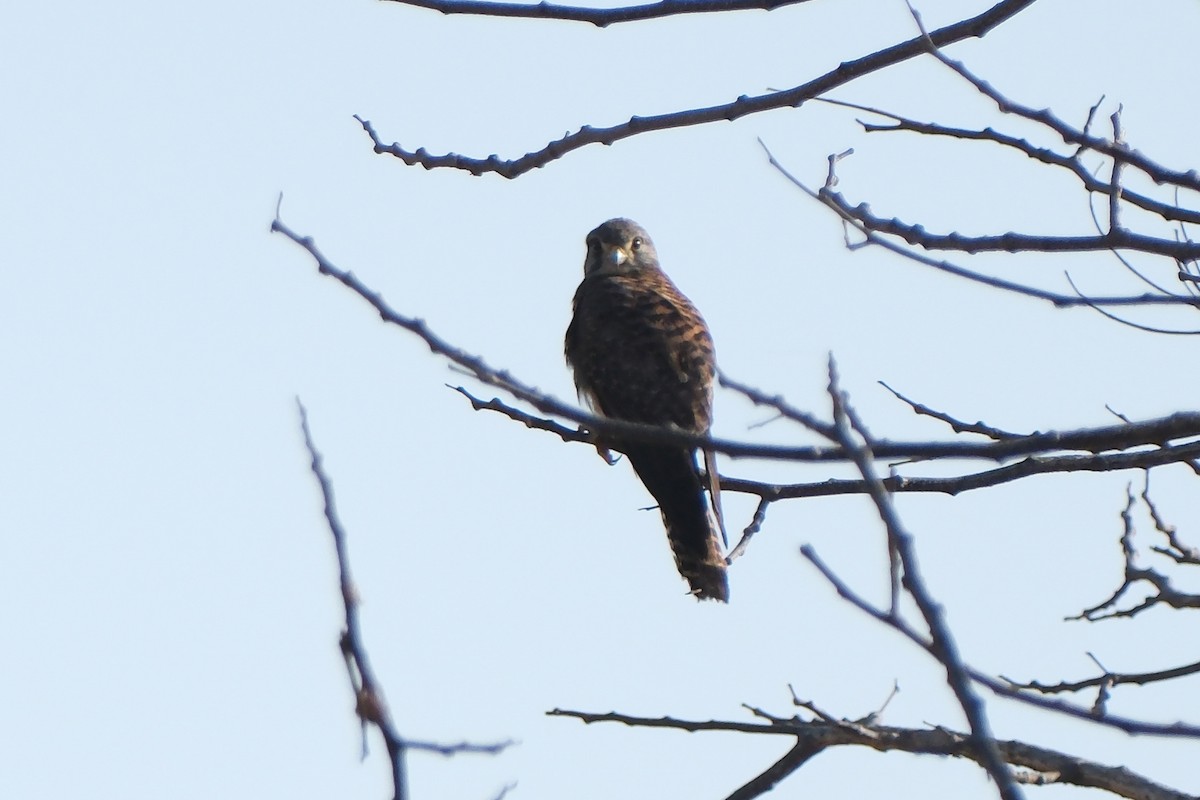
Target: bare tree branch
point(1037, 464)
point(768, 779)
point(854, 437)
point(1071, 163)
point(1160, 431)
point(957, 425)
point(821, 734)
point(369, 704)
point(975, 27)
point(1116, 150)
point(786, 410)
point(1016, 242)
point(1164, 593)
point(1125, 262)
point(1034, 465)
point(872, 237)
point(1185, 300)
point(1177, 550)
point(600, 17)
point(1112, 679)
point(997, 686)
point(1114, 236)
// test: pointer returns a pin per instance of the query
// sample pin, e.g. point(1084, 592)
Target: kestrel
point(641, 352)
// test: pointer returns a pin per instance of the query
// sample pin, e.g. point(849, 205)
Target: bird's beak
point(615, 256)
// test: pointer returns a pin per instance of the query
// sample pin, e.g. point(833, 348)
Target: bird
point(640, 351)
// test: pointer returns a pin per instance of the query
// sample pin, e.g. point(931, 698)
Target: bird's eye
point(637, 242)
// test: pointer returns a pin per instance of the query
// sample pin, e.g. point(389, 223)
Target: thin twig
point(957, 425)
point(600, 17)
point(370, 704)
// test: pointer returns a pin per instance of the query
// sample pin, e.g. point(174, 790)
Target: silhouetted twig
point(600, 17)
point(369, 702)
point(1164, 594)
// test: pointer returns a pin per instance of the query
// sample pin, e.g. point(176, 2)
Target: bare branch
point(1034, 465)
point(1116, 150)
point(1152, 432)
point(1012, 242)
point(777, 402)
point(1114, 237)
point(958, 426)
point(1071, 163)
point(822, 733)
point(1125, 262)
point(1177, 550)
point(845, 72)
point(1114, 183)
point(1164, 592)
point(528, 420)
point(872, 237)
point(997, 686)
point(1113, 679)
point(437, 748)
point(370, 704)
point(768, 779)
point(600, 17)
point(770, 492)
point(1130, 323)
point(854, 437)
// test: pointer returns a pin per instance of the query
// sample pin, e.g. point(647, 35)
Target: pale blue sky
point(167, 584)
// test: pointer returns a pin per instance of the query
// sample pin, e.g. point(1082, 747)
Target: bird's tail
point(672, 477)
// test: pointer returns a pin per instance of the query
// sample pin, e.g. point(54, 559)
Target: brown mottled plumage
point(641, 352)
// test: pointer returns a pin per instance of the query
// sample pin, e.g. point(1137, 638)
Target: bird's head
point(619, 247)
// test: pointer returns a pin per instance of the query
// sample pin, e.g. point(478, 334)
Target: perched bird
point(641, 352)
